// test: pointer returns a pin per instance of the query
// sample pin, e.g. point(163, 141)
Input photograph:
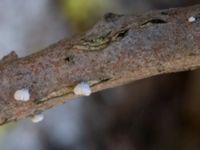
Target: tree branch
point(117, 50)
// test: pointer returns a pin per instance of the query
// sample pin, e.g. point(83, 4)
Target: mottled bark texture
point(117, 50)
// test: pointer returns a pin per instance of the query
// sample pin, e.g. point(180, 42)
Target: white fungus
point(22, 95)
point(37, 118)
point(191, 19)
point(83, 89)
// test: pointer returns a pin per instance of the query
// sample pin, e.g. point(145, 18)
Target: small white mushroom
point(22, 95)
point(83, 89)
point(191, 19)
point(37, 118)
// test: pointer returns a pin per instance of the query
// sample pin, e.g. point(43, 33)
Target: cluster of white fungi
point(23, 95)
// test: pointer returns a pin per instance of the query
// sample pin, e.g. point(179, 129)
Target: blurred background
point(159, 113)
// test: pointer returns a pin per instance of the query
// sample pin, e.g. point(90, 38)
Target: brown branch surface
point(117, 50)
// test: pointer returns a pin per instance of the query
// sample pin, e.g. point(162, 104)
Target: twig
point(117, 50)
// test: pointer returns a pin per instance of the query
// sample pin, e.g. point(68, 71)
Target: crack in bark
point(154, 21)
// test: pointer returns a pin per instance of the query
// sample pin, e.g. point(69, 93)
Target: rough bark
point(117, 50)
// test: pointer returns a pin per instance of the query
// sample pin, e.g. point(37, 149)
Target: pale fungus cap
point(37, 118)
point(22, 95)
point(191, 19)
point(83, 89)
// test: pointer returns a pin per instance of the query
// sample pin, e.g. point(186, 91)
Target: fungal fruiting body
point(22, 95)
point(37, 118)
point(83, 89)
point(191, 19)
